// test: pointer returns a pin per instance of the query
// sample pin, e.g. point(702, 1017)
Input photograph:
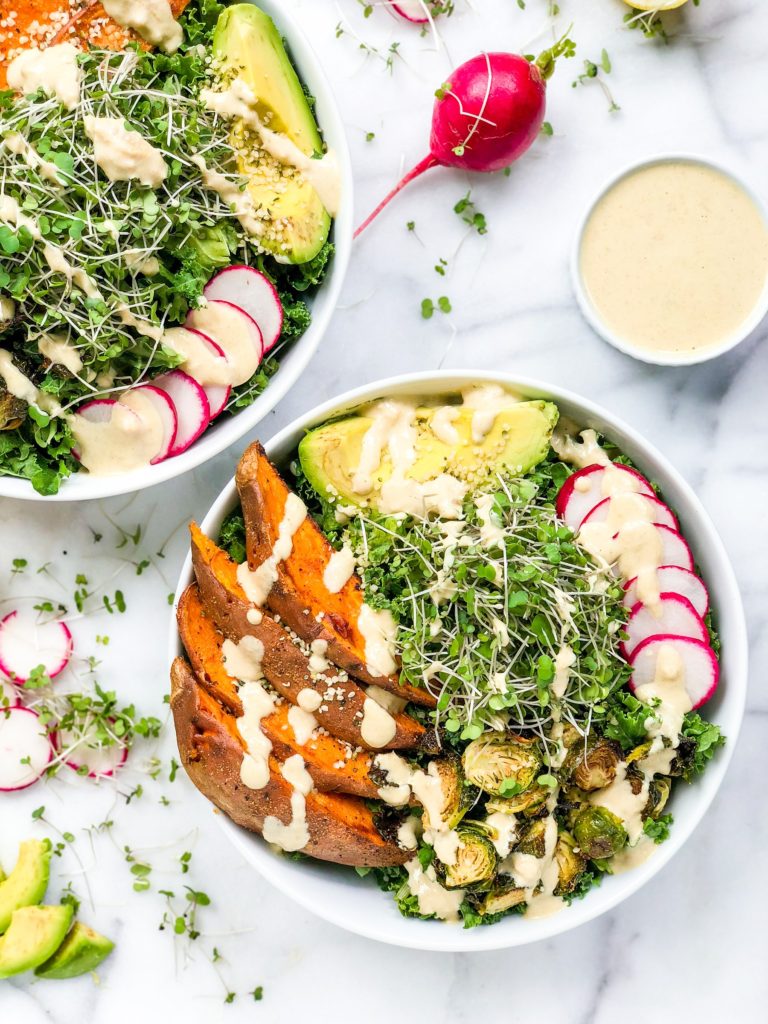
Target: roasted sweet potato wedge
point(328, 760)
point(299, 595)
point(285, 664)
point(41, 23)
point(341, 827)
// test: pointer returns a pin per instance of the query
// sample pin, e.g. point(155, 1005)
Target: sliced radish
point(217, 394)
point(658, 512)
point(83, 751)
point(234, 331)
point(97, 411)
point(584, 489)
point(674, 580)
point(412, 10)
point(675, 550)
point(677, 617)
point(191, 404)
point(163, 403)
point(9, 696)
point(26, 644)
point(25, 749)
point(253, 292)
point(702, 670)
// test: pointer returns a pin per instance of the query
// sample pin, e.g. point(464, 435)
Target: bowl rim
point(83, 487)
point(441, 937)
point(591, 315)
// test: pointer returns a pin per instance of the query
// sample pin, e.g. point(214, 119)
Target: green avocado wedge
point(247, 43)
point(34, 934)
point(517, 440)
point(26, 884)
point(80, 952)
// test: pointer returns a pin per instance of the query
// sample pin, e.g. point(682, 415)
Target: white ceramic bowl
point(337, 894)
point(228, 429)
point(593, 316)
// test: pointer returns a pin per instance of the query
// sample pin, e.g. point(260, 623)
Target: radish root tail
point(423, 165)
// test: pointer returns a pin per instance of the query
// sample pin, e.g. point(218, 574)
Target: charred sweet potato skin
point(299, 596)
point(341, 827)
point(285, 666)
point(326, 758)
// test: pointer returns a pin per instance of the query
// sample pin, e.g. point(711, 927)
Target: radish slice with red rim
point(412, 10)
point(26, 644)
point(9, 696)
point(85, 756)
point(701, 667)
point(217, 394)
point(191, 405)
point(97, 411)
point(675, 550)
point(234, 331)
point(677, 617)
point(254, 293)
point(166, 410)
point(673, 579)
point(584, 489)
point(25, 749)
point(658, 512)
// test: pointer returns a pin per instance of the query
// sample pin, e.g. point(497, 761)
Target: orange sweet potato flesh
point(40, 23)
point(341, 827)
point(285, 665)
point(328, 760)
point(300, 596)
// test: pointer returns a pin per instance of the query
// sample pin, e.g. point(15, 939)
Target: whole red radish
point(486, 115)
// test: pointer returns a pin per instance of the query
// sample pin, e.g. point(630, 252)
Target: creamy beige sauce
point(18, 145)
point(235, 195)
point(323, 174)
point(147, 265)
point(504, 831)
point(487, 400)
point(389, 701)
point(317, 658)
point(339, 570)
point(242, 660)
point(432, 897)
point(295, 834)
point(54, 70)
point(378, 629)
point(565, 659)
point(441, 425)
point(263, 577)
point(674, 257)
point(668, 686)
point(58, 349)
point(583, 453)
point(124, 154)
point(231, 332)
point(303, 724)
point(141, 326)
point(408, 833)
point(491, 534)
point(21, 387)
point(257, 704)
point(7, 311)
point(537, 875)
point(254, 615)
point(151, 19)
point(309, 700)
point(378, 726)
point(632, 856)
point(131, 437)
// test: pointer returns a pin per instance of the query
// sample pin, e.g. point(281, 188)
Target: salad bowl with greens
point(551, 634)
point(175, 224)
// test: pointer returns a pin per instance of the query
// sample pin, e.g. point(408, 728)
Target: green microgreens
point(466, 209)
point(503, 615)
point(592, 73)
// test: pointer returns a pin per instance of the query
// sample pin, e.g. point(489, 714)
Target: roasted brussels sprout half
point(476, 860)
point(534, 840)
point(501, 898)
point(13, 411)
point(501, 764)
point(456, 797)
point(599, 833)
point(527, 803)
point(570, 864)
point(596, 767)
point(658, 794)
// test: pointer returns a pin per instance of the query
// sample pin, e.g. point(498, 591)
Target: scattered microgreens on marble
point(592, 73)
point(428, 306)
point(468, 212)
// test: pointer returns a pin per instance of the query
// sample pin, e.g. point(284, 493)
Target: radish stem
point(423, 165)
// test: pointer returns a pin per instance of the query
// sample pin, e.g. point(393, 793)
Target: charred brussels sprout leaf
point(501, 764)
point(501, 899)
point(534, 840)
point(528, 802)
point(596, 768)
point(599, 833)
point(658, 794)
point(456, 798)
point(476, 860)
point(570, 864)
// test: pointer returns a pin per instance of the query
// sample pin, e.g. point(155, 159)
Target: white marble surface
point(692, 944)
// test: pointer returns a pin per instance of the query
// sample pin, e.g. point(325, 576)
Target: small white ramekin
point(593, 316)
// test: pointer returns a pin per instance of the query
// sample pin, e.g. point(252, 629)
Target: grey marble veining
point(692, 944)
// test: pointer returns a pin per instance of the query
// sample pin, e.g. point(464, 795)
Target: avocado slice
point(34, 934)
point(247, 43)
point(518, 439)
point(82, 951)
point(28, 881)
